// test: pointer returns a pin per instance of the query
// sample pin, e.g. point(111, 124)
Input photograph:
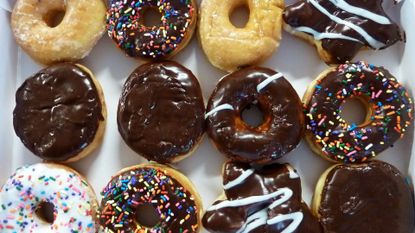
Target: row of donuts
point(162, 116)
point(369, 197)
point(338, 28)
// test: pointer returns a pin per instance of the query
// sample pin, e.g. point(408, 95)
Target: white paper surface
point(296, 59)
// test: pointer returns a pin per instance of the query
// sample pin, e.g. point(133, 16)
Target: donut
point(167, 192)
point(369, 197)
point(340, 28)
point(389, 112)
point(48, 198)
point(61, 102)
point(161, 112)
point(230, 48)
point(283, 121)
point(125, 25)
point(35, 28)
point(260, 200)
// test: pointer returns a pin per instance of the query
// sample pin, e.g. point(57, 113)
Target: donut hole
point(354, 111)
point(239, 16)
point(252, 115)
point(45, 212)
point(151, 16)
point(54, 17)
point(146, 215)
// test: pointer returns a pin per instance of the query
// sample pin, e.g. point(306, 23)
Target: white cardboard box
point(295, 58)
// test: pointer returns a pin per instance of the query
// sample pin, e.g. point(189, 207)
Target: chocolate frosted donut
point(60, 113)
point(161, 112)
point(282, 126)
point(370, 198)
point(389, 112)
point(340, 28)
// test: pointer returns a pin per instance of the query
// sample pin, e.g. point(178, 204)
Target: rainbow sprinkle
point(124, 25)
point(121, 197)
point(391, 104)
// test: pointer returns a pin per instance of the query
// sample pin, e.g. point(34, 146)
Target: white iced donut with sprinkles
point(47, 198)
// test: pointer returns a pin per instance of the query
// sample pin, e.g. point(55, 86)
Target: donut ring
point(230, 48)
point(389, 112)
point(282, 127)
point(29, 187)
point(125, 26)
point(169, 192)
point(71, 40)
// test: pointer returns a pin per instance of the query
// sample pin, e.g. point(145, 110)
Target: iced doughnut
point(150, 198)
point(35, 29)
point(161, 112)
point(260, 200)
point(60, 113)
point(389, 112)
point(125, 25)
point(370, 197)
point(230, 48)
point(47, 198)
point(340, 28)
point(283, 120)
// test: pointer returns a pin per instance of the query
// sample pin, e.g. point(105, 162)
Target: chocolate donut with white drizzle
point(260, 200)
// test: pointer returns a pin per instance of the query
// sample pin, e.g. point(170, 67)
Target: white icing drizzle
point(324, 35)
point(380, 19)
point(239, 180)
point(293, 174)
point(219, 108)
point(372, 41)
point(267, 81)
point(296, 217)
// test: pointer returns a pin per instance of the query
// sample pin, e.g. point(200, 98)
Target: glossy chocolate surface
point(305, 14)
point(58, 111)
point(161, 111)
point(260, 216)
point(282, 127)
point(370, 198)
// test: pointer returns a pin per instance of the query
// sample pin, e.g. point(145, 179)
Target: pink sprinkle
point(378, 94)
point(352, 153)
point(322, 120)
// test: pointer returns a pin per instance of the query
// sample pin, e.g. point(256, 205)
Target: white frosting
point(239, 180)
point(267, 81)
point(380, 19)
point(324, 35)
point(296, 217)
point(219, 108)
point(31, 185)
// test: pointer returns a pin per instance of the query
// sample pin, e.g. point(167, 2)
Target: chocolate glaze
point(370, 198)
point(261, 182)
point(161, 111)
point(281, 129)
point(304, 14)
point(58, 111)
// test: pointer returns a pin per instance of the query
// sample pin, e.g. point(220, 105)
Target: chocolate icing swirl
point(266, 200)
point(370, 198)
point(161, 111)
point(343, 26)
point(58, 111)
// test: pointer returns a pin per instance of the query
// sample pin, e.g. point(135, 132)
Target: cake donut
point(260, 200)
point(389, 112)
point(125, 25)
point(230, 48)
point(60, 113)
point(161, 112)
point(370, 197)
point(340, 28)
point(46, 41)
point(25, 196)
point(171, 196)
point(283, 120)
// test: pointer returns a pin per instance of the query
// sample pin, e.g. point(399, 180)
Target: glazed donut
point(72, 39)
point(168, 192)
point(283, 123)
point(60, 113)
point(48, 198)
point(389, 112)
point(125, 25)
point(370, 197)
point(340, 28)
point(267, 199)
point(161, 112)
point(230, 48)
